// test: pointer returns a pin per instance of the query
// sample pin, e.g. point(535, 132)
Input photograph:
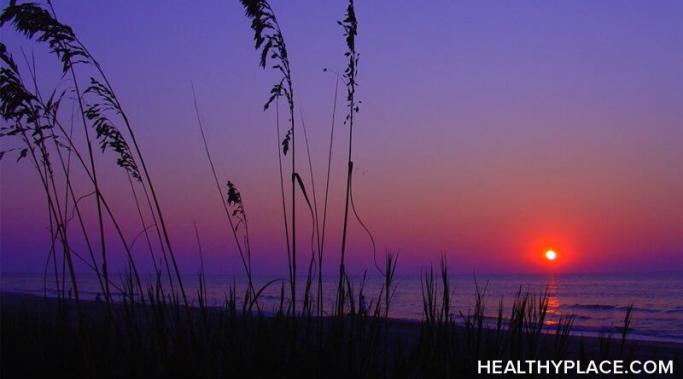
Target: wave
point(605, 307)
point(592, 306)
point(613, 331)
point(633, 333)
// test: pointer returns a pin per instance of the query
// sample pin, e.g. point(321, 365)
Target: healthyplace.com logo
point(550, 367)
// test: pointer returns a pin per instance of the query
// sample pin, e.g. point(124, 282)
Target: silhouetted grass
point(350, 25)
point(233, 199)
point(25, 111)
point(269, 40)
point(159, 340)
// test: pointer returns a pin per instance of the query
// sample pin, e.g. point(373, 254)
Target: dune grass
point(164, 339)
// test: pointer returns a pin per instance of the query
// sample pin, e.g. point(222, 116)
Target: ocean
point(597, 301)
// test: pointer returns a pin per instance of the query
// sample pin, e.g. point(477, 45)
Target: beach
point(403, 336)
point(596, 301)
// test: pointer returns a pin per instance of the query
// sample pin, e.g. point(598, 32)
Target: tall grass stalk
point(108, 95)
point(244, 251)
point(32, 21)
point(316, 241)
point(268, 38)
point(325, 202)
point(22, 112)
point(49, 113)
point(350, 26)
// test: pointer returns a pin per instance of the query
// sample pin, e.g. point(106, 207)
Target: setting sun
point(550, 255)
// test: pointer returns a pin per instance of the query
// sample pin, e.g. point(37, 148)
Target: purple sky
point(488, 130)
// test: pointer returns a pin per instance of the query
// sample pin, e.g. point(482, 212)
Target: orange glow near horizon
point(554, 251)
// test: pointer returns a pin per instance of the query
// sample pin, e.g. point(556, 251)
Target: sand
point(402, 333)
point(404, 330)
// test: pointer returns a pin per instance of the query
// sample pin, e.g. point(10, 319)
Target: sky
point(489, 131)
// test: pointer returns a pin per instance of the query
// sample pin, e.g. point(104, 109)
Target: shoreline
point(576, 332)
point(401, 330)
point(598, 304)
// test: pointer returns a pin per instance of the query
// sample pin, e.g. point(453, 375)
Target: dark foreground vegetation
point(59, 338)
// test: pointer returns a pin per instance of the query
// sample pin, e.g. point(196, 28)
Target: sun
point(550, 255)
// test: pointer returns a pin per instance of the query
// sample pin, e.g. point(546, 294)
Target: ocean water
point(597, 301)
